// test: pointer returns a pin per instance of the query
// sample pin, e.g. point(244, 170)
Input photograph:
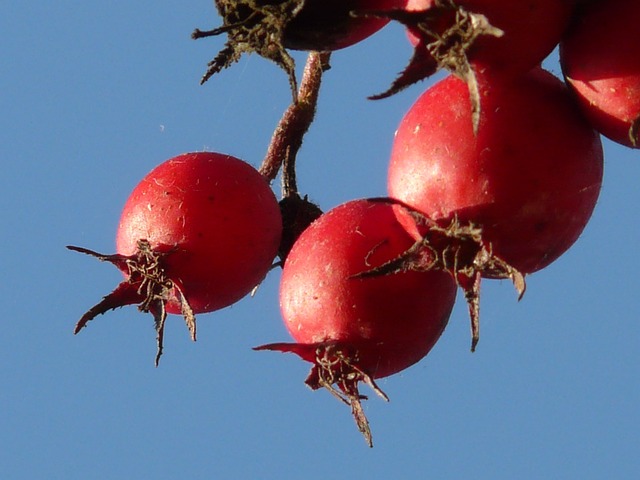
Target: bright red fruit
point(530, 178)
point(532, 28)
point(355, 328)
point(196, 235)
point(510, 199)
point(601, 63)
point(507, 37)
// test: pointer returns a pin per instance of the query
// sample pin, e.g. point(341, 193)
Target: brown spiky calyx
point(445, 32)
point(335, 368)
point(146, 284)
point(455, 247)
point(253, 26)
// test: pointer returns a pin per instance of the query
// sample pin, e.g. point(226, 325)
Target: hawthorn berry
point(356, 328)
point(198, 233)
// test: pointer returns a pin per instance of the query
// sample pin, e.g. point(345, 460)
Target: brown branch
point(288, 135)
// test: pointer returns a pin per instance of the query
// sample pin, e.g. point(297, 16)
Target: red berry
point(357, 328)
point(601, 63)
point(196, 235)
point(530, 178)
point(468, 36)
point(508, 200)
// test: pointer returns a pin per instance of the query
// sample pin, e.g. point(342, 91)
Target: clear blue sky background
point(95, 94)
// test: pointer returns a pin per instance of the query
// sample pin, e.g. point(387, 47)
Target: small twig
point(289, 180)
point(288, 135)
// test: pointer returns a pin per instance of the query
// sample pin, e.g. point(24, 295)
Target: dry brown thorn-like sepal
point(335, 368)
point(445, 34)
point(146, 284)
point(253, 26)
point(455, 247)
point(634, 132)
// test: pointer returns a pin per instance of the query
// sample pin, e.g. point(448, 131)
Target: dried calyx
point(253, 26)
point(455, 247)
point(146, 284)
point(297, 214)
point(444, 34)
point(335, 367)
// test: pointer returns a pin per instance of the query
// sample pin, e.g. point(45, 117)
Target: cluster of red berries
point(494, 173)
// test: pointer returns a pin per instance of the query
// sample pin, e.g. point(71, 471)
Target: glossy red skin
point(218, 217)
point(601, 62)
point(530, 179)
point(532, 29)
point(327, 24)
point(392, 321)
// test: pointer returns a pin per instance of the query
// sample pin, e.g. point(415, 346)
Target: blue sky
point(94, 95)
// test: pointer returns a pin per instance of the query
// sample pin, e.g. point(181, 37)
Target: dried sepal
point(445, 33)
point(253, 26)
point(634, 132)
point(146, 284)
point(455, 247)
point(335, 368)
point(297, 214)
